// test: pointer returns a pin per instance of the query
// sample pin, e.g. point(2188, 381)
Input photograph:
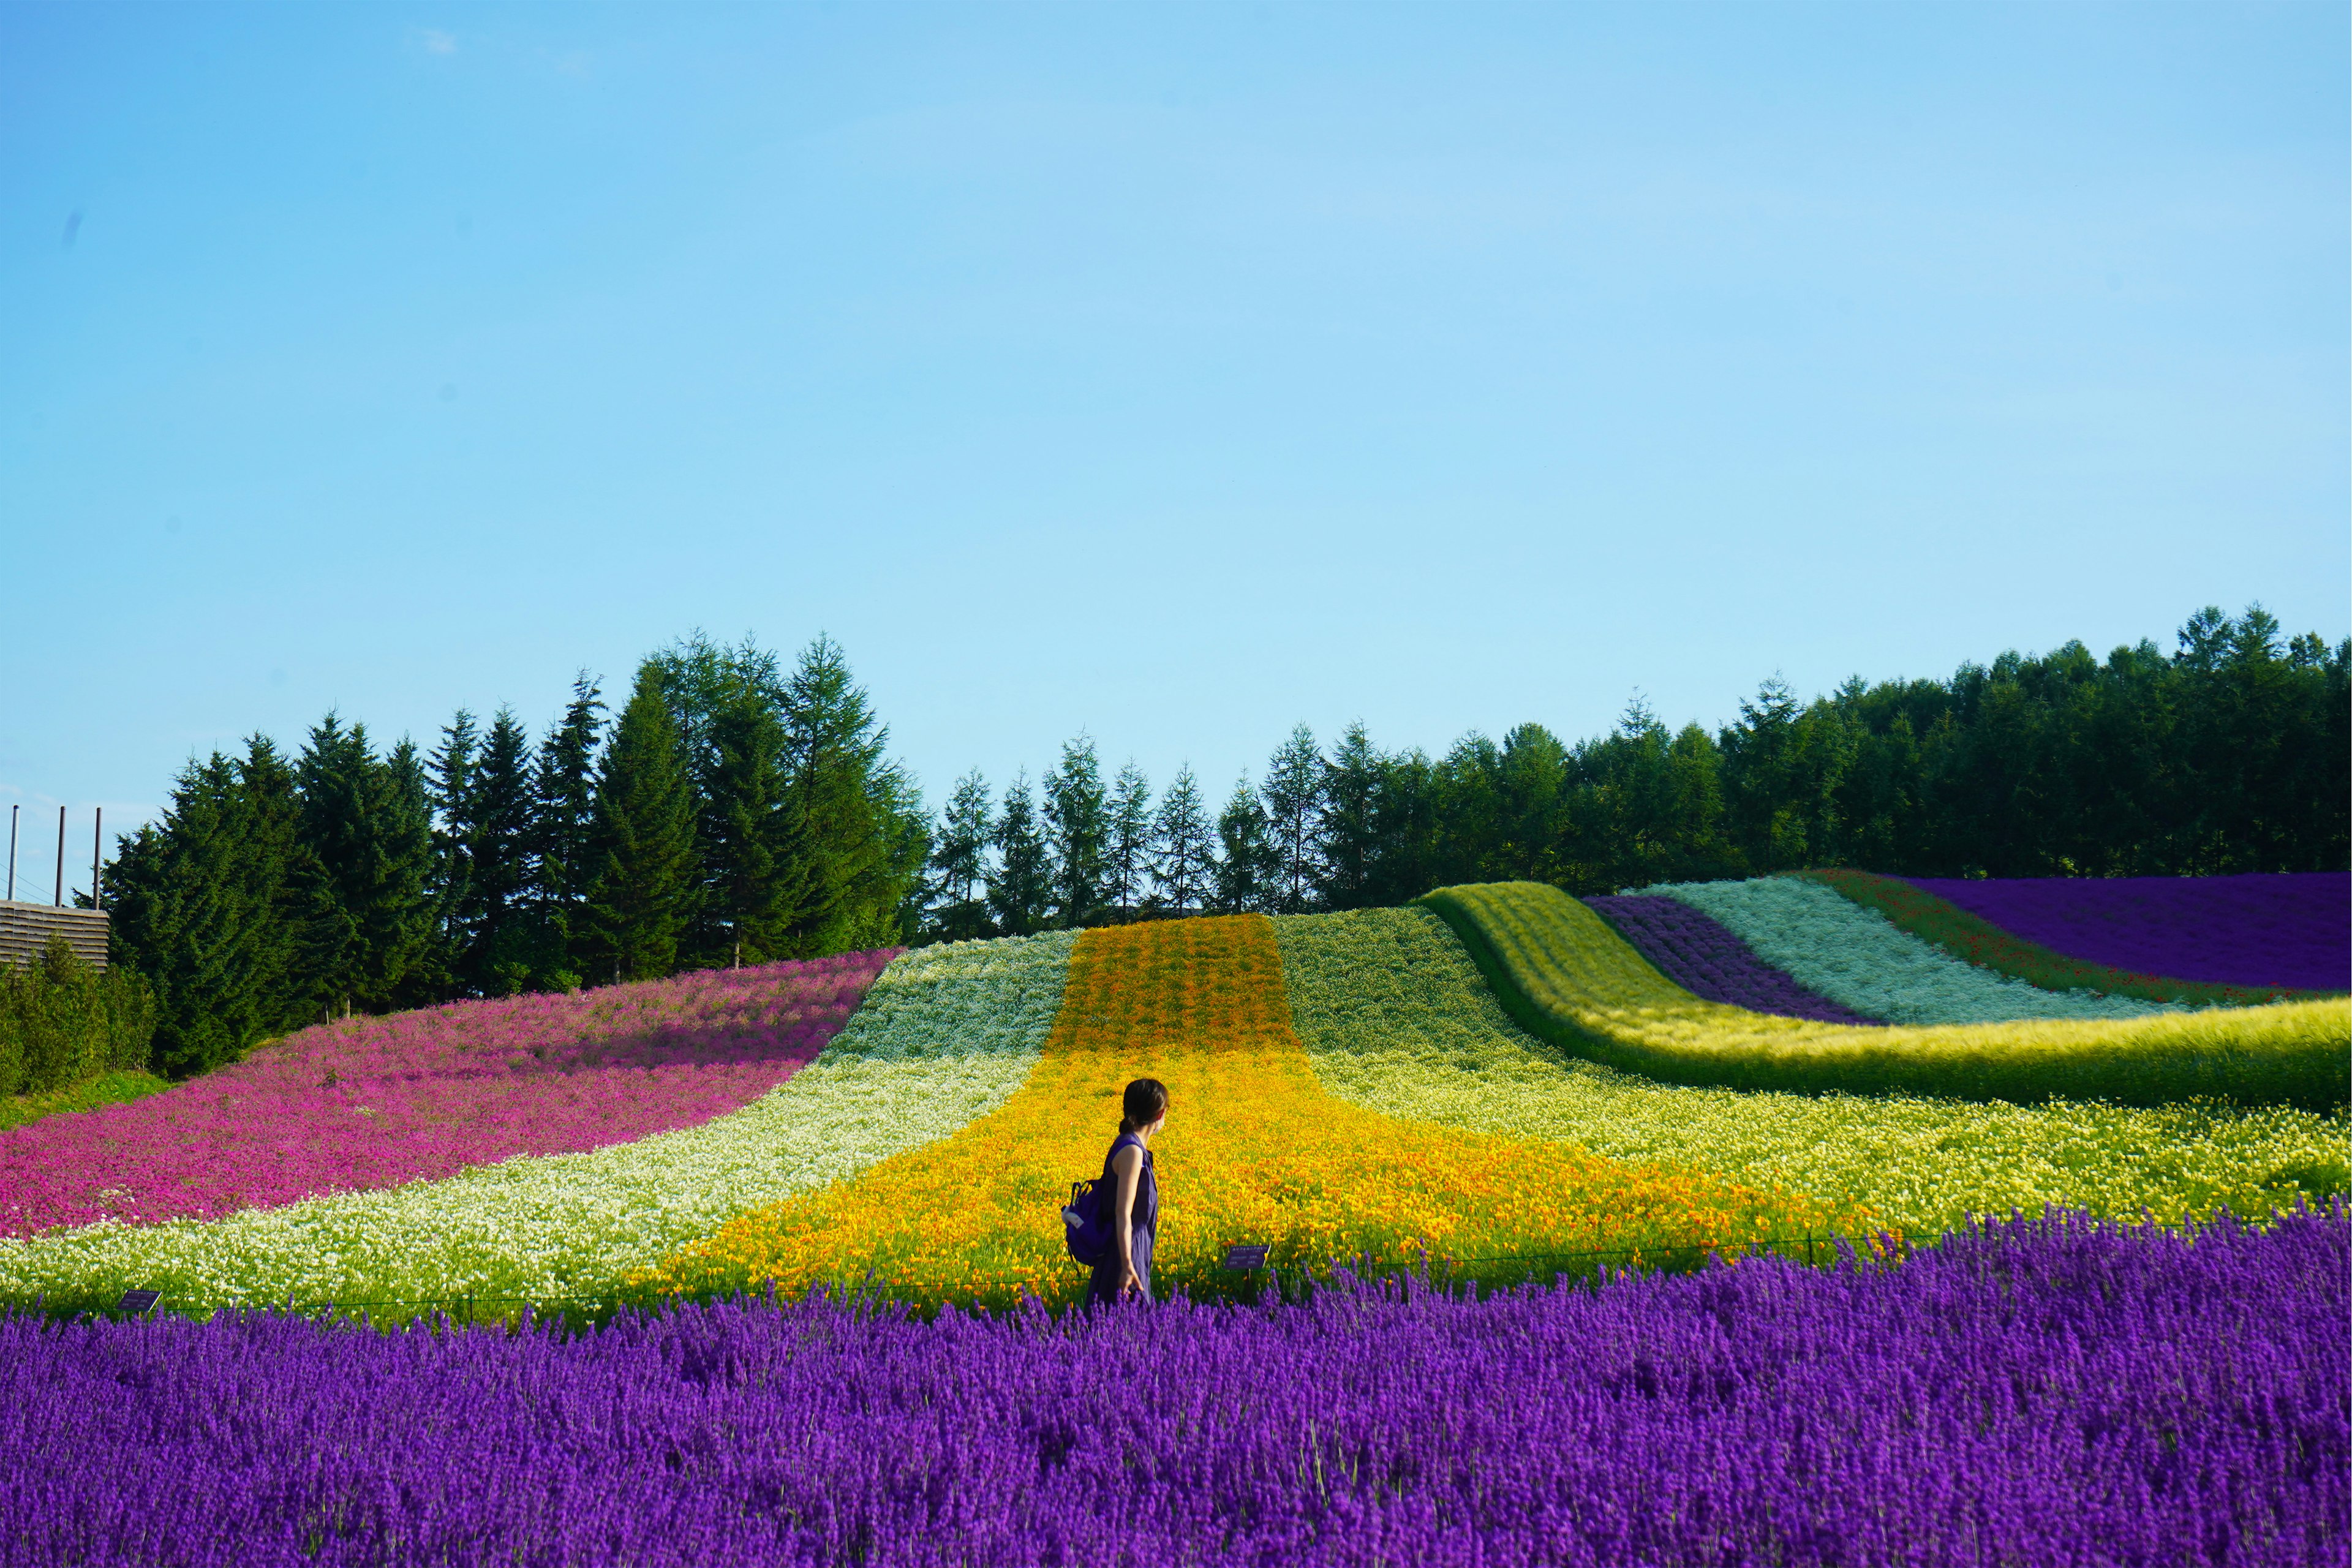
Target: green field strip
point(1567, 977)
point(91, 1094)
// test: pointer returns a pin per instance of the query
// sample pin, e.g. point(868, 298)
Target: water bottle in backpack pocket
point(1084, 1229)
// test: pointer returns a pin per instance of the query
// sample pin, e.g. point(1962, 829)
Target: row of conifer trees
point(730, 811)
point(2230, 753)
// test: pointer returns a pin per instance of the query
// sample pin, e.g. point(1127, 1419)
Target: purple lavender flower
point(2047, 1391)
point(1703, 958)
point(2286, 930)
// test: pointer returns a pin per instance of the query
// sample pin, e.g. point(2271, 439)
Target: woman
point(1134, 1194)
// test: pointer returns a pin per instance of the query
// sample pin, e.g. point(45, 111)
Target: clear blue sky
point(1176, 374)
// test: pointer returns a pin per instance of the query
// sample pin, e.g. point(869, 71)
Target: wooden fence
point(25, 930)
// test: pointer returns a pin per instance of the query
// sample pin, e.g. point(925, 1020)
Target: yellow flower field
point(1254, 1151)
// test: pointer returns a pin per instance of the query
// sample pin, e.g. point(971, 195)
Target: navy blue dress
point(1107, 1274)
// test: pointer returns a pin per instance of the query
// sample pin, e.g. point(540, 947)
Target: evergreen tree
point(864, 820)
point(1247, 866)
point(331, 866)
point(495, 960)
point(1405, 812)
point(754, 841)
point(397, 923)
point(198, 906)
point(1347, 826)
point(1020, 888)
point(960, 863)
point(1184, 856)
point(1127, 859)
point(642, 846)
point(1294, 801)
point(1077, 832)
point(1766, 798)
point(452, 771)
point(365, 925)
point(700, 677)
point(564, 826)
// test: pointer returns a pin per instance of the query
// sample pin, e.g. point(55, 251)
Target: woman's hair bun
point(1147, 1099)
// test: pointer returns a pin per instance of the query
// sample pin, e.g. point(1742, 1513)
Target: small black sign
point(1246, 1257)
point(136, 1301)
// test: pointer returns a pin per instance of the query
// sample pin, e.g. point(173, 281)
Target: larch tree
point(1246, 863)
point(865, 833)
point(1183, 849)
point(960, 863)
point(1348, 825)
point(1127, 858)
point(1020, 888)
point(1294, 800)
point(1077, 833)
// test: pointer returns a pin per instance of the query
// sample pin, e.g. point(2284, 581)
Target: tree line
point(731, 811)
point(2230, 753)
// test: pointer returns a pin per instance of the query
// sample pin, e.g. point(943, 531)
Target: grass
point(1564, 976)
point(106, 1088)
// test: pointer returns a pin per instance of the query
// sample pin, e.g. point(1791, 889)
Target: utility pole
point(11, 894)
point(97, 856)
point(61, 896)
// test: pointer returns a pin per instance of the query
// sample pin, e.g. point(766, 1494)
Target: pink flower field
point(374, 1102)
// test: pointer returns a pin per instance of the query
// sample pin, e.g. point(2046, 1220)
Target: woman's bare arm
point(1128, 1166)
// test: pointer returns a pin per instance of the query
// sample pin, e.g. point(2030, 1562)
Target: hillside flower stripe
point(377, 1102)
point(1254, 1151)
point(1396, 1018)
point(944, 1036)
point(1975, 940)
point(1565, 975)
point(1859, 958)
point(2246, 936)
point(1703, 958)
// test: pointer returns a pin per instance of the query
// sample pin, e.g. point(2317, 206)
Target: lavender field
point(2280, 929)
point(1698, 954)
point(2047, 1391)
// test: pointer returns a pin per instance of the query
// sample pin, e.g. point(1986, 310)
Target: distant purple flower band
point(2040, 1392)
point(2291, 930)
point(1703, 958)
